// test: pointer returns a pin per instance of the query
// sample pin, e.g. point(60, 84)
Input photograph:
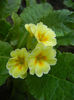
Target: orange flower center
point(42, 37)
point(39, 58)
point(20, 61)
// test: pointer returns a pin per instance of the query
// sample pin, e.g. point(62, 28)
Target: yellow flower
point(45, 35)
point(40, 59)
point(30, 28)
point(17, 65)
point(42, 33)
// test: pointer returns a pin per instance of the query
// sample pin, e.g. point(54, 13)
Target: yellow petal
point(30, 28)
point(39, 71)
point(23, 76)
point(52, 61)
point(46, 68)
point(32, 71)
point(42, 69)
point(15, 53)
point(50, 42)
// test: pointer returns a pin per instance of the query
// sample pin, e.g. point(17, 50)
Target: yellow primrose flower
point(17, 65)
point(30, 28)
point(40, 59)
point(44, 34)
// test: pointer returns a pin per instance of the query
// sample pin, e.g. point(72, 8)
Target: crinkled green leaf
point(70, 18)
point(66, 40)
point(69, 3)
point(8, 6)
point(5, 50)
point(35, 13)
point(64, 67)
point(4, 28)
point(16, 19)
point(56, 20)
point(30, 2)
point(58, 84)
point(50, 88)
point(70, 22)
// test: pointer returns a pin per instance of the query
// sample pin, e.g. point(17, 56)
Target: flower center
point(40, 58)
point(42, 37)
point(20, 61)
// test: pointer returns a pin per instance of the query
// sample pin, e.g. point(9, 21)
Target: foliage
point(8, 6)
point(58, 84)
point(5, 50)
point(69, 3)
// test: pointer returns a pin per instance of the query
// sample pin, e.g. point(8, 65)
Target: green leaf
point(71, 18)
point(35, 13)
point(56, 20)
point(70, 21)
point(50, 88)
point(16, 19)
point(3, 79)
point(30, 2)
point(64, 67)
point(69, 3)
point(8, 6)
point(17, 34)
point(5, 50)
point(58, 84)
point(66, 40)
point(4, 28)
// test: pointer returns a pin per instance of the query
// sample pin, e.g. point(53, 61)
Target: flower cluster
point(42, 33)
point(39, 60)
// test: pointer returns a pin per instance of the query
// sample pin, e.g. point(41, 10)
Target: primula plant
point(36, 50)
